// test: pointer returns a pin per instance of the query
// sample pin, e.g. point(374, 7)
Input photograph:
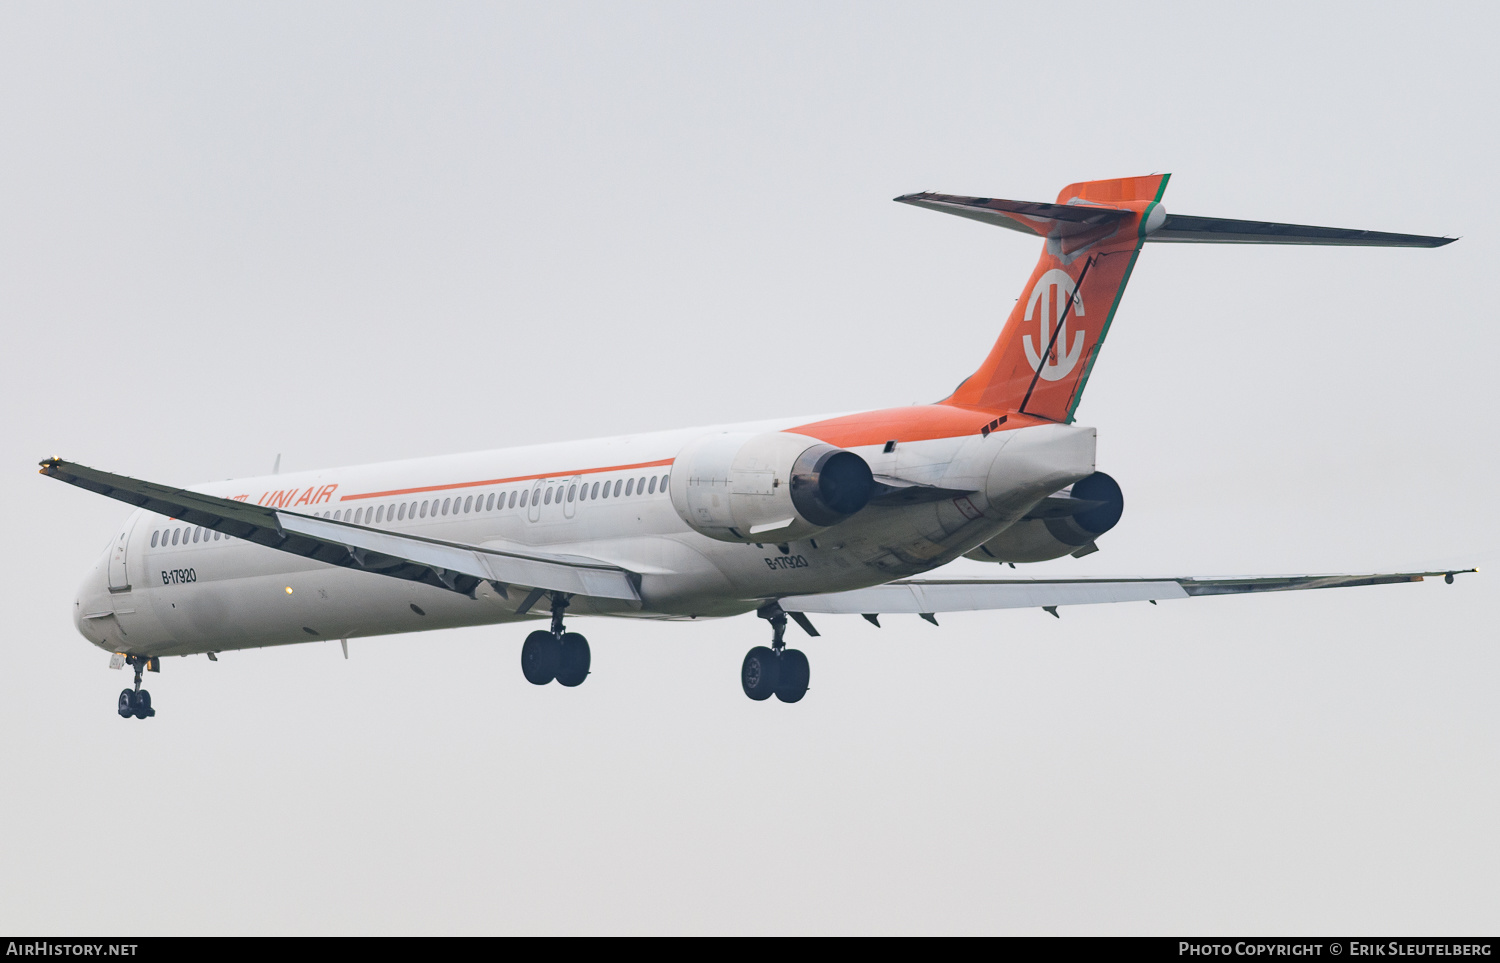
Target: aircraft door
point(119, 575)
point(570, 505)
point(534, 508)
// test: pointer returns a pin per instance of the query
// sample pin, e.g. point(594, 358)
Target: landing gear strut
point(137, 702)
point(557, 654)
point(776, 670)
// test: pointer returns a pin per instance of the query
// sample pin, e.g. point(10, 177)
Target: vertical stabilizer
point(1091, 238)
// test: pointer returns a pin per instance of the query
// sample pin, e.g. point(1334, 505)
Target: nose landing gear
point(556, 654)
point(776, 670)
point(137, 702)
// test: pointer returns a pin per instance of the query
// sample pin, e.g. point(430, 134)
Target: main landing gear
point(555, 654)
point(777, 670)
point(137, 702)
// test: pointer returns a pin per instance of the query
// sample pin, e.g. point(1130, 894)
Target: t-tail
point(1092, 236)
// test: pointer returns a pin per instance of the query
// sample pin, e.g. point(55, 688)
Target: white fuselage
point(168, 588)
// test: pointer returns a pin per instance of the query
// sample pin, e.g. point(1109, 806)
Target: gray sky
point(356, 232)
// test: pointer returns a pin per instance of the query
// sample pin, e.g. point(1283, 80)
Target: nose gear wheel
point(137, 702)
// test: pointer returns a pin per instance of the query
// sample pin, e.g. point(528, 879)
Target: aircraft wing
point(929, 596)
point(451, 565)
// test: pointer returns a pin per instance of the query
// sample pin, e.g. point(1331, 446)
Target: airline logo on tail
point(1054, 315)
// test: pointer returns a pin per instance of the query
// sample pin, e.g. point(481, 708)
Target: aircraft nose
point(92, 603)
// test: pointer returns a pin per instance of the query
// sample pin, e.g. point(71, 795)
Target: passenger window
point(640, 487)
point(572, 490)
point(512, 500)
point(652, 489)
point(424, 509)
point(491, 503)
point(216, 536)
point(606, 490)
point(154, 536)
point(379, 514)
point(664, 480)
point(594, 493)
point(445, 504)
point(547, 499)
point(618, 483)
point(175, 533)
point(524, 493)
point(196, 533)
point(630, 487)
point(468, 504)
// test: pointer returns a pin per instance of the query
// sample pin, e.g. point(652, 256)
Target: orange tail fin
point(1093, 235)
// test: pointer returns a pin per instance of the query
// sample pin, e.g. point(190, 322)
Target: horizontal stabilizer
point(1185, 229)
point(918, 596)
point(1057, 221)
point(1028, 217)
point(451, 565)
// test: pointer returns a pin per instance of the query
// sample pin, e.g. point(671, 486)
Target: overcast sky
point(356, 232)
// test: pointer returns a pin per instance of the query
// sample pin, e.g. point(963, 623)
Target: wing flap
point(914, 597)
point(451, 565)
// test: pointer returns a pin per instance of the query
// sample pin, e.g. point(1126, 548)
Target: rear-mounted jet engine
point(1065, 523)
point(768, 487)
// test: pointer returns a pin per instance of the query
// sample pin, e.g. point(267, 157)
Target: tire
point(759, 672)
point(143, 708)
point(127, 703)
point(572, 660)
point(792, 684)
point(539, 658)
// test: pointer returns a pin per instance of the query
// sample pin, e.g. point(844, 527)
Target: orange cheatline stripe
point(505, 481)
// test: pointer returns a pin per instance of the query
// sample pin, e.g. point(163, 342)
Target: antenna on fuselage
point(276, 468)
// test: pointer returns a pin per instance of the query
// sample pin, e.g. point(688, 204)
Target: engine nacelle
point(1056, 528)
point(769, 487)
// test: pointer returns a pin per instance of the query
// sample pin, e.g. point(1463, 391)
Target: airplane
point(788, 518)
